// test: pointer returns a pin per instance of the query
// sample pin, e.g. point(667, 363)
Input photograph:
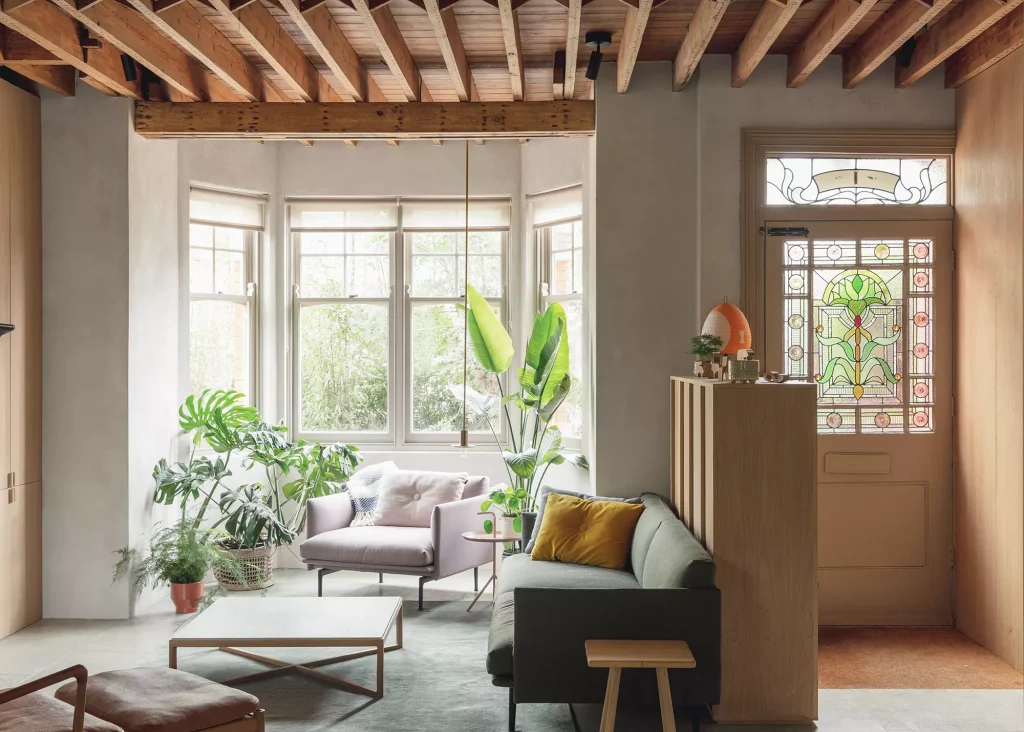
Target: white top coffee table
point(234, 623)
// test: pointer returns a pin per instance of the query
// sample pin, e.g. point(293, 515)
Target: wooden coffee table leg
point(611, 701)
point(172, 652)
point(380, 671)
point(668, 717)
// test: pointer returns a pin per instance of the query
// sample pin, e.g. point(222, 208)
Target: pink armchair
point(430, 553)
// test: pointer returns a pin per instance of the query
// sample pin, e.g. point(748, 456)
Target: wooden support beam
point(384, 31)
point(629, 46)
point(322, 31)
point(446, 29)
point(770, 21)
point(128, 31)
point(59, 79)
point(184, 24)
point(572, 48)
point(18, 48)
point(702, 26)
point(962, 24)
point(43, 23)
point(831, 26)
point(986, 50)
point(258, 29)
point(885, 36)
point(424, 120)
point(513, 48)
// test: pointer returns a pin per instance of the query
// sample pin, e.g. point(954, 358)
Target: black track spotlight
point(128, 66)
point(595, 40)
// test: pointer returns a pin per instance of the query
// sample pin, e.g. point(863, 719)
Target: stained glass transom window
point(811, 181)
point(858, 322)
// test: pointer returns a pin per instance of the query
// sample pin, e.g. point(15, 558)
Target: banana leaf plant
point(541, 386)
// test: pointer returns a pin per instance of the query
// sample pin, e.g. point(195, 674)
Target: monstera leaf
point(216, 416)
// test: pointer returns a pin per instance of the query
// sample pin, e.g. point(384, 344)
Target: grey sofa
point(431, 553)
point(545, 611)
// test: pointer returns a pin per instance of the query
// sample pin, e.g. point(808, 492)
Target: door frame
point(759, 144)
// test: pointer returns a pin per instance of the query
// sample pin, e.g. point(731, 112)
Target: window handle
point(295, 290)
point(250, 289)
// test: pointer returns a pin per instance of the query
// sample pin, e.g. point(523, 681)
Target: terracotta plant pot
point(186, 597)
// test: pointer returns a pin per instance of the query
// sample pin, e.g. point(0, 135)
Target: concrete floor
point(51, 645)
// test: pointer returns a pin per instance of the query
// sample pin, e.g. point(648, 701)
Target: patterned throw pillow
point(364, 490)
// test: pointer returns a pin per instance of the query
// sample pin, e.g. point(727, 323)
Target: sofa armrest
point(452, 553)
point(553, 625)
point(328, 513)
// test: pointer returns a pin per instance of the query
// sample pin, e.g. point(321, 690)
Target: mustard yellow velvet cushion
point(576, 531)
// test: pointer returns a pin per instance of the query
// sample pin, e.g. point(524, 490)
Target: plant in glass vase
point(542, 384)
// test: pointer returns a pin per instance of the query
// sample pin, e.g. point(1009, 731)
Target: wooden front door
point(864, 310)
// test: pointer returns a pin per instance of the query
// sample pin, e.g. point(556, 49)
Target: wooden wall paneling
point(21, 545)
point(989, 467)
point(686, 416)
point(697, 404)
point(26, 291)
point(7, 92)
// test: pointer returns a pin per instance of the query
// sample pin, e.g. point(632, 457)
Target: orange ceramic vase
point(186, 597)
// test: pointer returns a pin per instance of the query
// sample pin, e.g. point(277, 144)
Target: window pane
point(561, 272)
point(200, 235)
point(322, 277)
point(857, 181)
point(233, 239)
point(368, 276)
point(484, 274)
point(561, 237)
point(343, 351)
point(322, 242)
point(438, 272)
point(433, 243)
point(437, 332)
point(569, 416)
point(200, 270)
point(230, 273)
point(219, 346)
point(435, 276)
point(370, 242)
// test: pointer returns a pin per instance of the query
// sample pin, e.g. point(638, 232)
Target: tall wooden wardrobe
point(21, 600)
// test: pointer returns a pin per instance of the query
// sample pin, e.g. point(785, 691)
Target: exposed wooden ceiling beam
point(884, 37)
point(962, 24)
point(122, 27)
point(986, 50)
point(45, 24)
point(17, 48)
point(258, 28)
point(702, 26)
point(629, 47)
point(59, 79)
point(513, 48)
point(770, 21)
point(446, 30)
point(384, 31)
point(572, 47)
point(184, 24)
point(322, 31)
point(427, 120)
point(831, 26)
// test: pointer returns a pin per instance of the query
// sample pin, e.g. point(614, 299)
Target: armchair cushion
point(40, 712)
point(408, 497)
point(328, 513)
point(377, 546)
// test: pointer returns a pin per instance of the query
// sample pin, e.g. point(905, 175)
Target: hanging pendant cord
point(464, 438)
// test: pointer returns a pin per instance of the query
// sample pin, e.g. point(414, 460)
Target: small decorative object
point(706, 347)
point(775, 377)
point(744, 371)
point(745, 354)
point(728, 323)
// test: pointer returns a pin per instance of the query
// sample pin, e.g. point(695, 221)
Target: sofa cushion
point(501, 637)
point(380, 546)
point(364, 489)
point(676, 559)
point(656, 512)
point(161, 700)
point(408, 497)
point(40, 712)
point(547, 490)
point(520, 570)
point(595, 533)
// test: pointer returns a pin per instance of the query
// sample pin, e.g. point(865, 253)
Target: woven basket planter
point(259, 565)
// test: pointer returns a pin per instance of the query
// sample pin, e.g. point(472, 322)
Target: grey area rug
point(437, 681)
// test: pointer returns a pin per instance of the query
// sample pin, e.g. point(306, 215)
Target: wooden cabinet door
point(21, 557)
point(26, 290)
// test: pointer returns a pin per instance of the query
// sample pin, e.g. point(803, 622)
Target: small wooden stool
point(616, 655)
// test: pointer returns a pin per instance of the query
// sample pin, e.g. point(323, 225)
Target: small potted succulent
point(706, 348)
point(510, 503)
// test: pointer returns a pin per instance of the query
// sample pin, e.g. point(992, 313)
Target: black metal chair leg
point(695, 717)
point(476, 579)
point(380, 579)
point(423, 581)
point(511, 710)
point(320, 583)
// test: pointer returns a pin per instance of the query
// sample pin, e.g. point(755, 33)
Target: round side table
point(496, 540)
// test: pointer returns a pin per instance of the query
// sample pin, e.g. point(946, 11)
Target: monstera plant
point(541, 385)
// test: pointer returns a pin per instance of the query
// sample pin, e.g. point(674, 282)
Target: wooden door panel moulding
point(184, 24)
point(986, 50)
point(513, 48)
point(446, 30)
point(885, 36)
point(572, 47)
point(954, 30)
point(705, 20)
point(322, 31)
point(426, 120)
point(384, 31)
point(831, 26)
point(125, 29)
point(58, 79)
point(45, 24)
point(771, 20)
point(629, 47)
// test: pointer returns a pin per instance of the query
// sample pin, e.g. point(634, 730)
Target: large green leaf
point(558, 394)
point(542, 349)
point(491, 343)
point(522, 464)
point(216, 416)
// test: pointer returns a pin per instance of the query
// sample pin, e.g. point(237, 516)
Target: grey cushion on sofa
point(501, 636)
point(656, 512)
point(677, 560)
point(520, 570)
point(542, 501)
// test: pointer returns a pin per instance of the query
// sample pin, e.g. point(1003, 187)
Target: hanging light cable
point(464, 433)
